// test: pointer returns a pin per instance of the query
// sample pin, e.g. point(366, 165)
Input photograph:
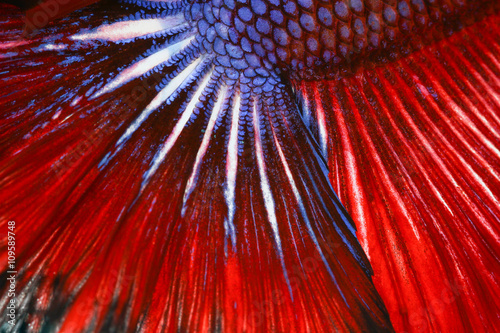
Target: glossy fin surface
point(413, 150)
point(154, 190)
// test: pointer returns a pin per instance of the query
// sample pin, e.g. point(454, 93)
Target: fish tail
point(413, 149)
point(155, 190)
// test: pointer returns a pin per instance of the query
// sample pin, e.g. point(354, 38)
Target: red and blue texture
point(252, 166)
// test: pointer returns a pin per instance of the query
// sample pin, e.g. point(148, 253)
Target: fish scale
point(304, 37)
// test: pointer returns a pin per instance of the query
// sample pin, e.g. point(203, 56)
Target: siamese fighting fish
point(250, 166)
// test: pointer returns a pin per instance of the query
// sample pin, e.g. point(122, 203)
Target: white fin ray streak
point(130, 29)
point(232, 169)
point(165, 95)
point(303, 212)
point(179, 126)
point(143, 66)
point(267, 194)
point(205, 143)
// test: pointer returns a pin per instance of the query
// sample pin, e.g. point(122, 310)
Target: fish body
point(317, 39)
point(253, 166)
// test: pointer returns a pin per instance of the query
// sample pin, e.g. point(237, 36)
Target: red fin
point(414, 153)
point(214, 213)
point(43, 12)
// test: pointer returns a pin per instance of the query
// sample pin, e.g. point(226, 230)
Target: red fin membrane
point(195, 204)
point(413, 149)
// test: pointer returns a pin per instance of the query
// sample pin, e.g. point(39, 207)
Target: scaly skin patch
point(313, 39)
